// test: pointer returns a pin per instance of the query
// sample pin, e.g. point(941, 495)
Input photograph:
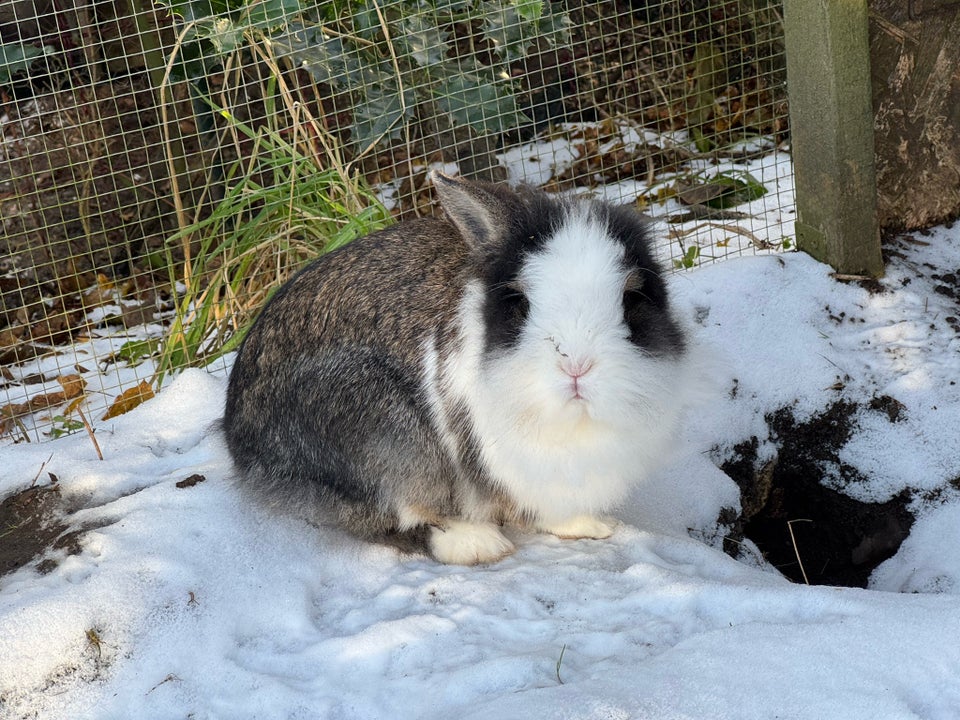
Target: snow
point(190, 602)
point(762, 225)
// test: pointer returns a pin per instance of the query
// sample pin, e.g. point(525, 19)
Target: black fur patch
point(506, 306)
point(645, 308)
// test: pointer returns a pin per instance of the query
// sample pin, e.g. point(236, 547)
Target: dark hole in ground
point(810, 532)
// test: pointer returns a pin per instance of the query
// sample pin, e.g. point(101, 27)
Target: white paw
point(465, 543)
point(581, 526)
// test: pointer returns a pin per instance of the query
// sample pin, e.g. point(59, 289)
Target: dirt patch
point(809, 531)
point(948, 284)
point(31, 523)
point(38, 525)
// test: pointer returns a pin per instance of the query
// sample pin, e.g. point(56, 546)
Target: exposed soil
point(808, 530)
point(948, 284)
point(37, 527)
point(31, 523)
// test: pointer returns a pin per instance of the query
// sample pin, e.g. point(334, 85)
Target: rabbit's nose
point(576, 370)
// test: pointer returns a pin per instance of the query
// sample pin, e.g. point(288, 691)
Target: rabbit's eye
point(506, 311)
point(516, 301)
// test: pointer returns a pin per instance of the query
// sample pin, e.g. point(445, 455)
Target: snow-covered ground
point(187, 602)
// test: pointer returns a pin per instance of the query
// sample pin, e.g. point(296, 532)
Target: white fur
point(468, 543)
point(431, 383)
point(563, 448)
point(581, 526)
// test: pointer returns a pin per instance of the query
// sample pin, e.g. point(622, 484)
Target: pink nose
point(576, 370)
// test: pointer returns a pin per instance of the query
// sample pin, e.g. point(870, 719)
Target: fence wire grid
point(164, 165)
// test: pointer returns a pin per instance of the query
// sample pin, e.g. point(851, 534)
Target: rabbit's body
point(435, 380)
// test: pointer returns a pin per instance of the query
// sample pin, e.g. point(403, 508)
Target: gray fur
point(324, 408)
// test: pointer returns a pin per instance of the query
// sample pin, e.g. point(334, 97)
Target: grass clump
point(278, 212)
point(285, 198)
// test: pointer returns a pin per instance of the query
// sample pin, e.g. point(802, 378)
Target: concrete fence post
point(831, 126)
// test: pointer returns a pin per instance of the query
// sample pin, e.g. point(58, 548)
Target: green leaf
point(554, 27)
point(190, 10)
point(326, 58)
point(379, 114)
point(366, 21)
point(529, 9)
point(482, 104)
point(515, 28)
point(701, 141)
point(509, 32)
point(269, 14)
point(689, 258)
point(222, 32)
point(422, 40)
point(15, 58)
point(134, 351)
point(67, 426)
point(735, 189)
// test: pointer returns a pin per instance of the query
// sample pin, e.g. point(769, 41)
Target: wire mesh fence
point(164, 166)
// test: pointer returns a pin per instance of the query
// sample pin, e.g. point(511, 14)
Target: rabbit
point(429, 383)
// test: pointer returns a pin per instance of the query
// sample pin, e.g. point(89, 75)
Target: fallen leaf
point(94, 641)
point(129, 399)
point(72, 385)
point(698, 194)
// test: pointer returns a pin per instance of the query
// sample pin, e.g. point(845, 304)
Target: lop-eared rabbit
point(429, 383)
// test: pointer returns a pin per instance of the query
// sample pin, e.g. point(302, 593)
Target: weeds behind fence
point(163, 167)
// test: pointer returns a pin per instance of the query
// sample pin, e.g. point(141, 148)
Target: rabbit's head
point(568, 352)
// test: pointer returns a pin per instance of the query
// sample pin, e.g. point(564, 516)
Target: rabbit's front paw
point(460, 542)
point(582, 526)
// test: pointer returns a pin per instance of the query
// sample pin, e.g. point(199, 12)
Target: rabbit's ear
point(476, 213)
